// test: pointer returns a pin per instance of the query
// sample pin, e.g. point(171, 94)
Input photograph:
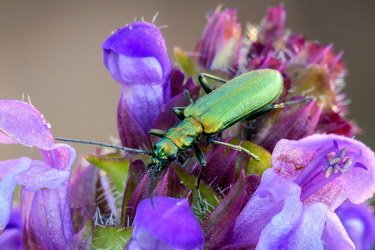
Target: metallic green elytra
point(245, 96)
point(235, 100)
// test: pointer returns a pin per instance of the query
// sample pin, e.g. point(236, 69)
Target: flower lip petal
point(41, 176)
point(359, 222)
point(292, 159)
point(11, 238)
point(138, 40)
point(25, 124)
point(275, 195)
point(170, 222)
point(9, 171)
point(61, 157)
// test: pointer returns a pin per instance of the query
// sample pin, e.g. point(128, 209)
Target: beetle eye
point(172, 157)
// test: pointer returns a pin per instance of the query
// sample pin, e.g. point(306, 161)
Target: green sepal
point(253, 166)
point(111, 237)
point(185, 62)
point(208, 196)
point(114, 165)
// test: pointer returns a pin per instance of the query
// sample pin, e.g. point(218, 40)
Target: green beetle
point(246, 96)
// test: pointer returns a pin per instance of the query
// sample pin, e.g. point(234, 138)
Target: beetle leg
point(235, 147)
point(203, 81)
point(202, 161)
point(179, 112)
point(157, 132)
point(188, 96)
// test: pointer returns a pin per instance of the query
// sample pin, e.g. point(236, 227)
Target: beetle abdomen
point(236, 99)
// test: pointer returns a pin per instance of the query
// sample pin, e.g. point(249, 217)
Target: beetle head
point(165, 151)
point(156, 168)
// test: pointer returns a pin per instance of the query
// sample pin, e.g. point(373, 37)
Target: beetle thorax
point(165, 149)
point(185, 134)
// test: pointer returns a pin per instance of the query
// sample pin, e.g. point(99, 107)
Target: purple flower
point(45, 184)
point(317, 70)
point(11, 238)
point(359, 222)
point(136, 57)
point(309, 68)
point(169, 223)
point(308, 180)
point(219, 46)
point(272, 27)
point(327, 166)
point(269, 46)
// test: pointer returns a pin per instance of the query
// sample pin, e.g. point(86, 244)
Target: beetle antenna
point(101, 144)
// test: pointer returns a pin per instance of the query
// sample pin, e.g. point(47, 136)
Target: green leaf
point(185, 62)
point(111, 237)
point(208, 197)
point(255, 167)
point(115, 166)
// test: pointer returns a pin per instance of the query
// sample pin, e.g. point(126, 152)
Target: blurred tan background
point(51, 50)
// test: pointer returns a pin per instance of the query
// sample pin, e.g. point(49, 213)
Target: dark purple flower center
point(326, 165)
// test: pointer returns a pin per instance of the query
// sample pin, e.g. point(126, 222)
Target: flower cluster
point(308, 190)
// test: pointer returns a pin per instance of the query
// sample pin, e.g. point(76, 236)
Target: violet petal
point(272, 27)
point(47, 218)
point(359, 222)
point(305, 234)
point(41, 176)
point(49, 208)
point(304, 162)
point(220, 42)
point(274, 195)
point(136, 57)
point(11, 237)
point(25, 124)
point(143, 103)
point(4, 139)
point(176, 227)
point(8, 171)
point(131, 133)
point(335, 235)
point(141, 52)
point(82, 194)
